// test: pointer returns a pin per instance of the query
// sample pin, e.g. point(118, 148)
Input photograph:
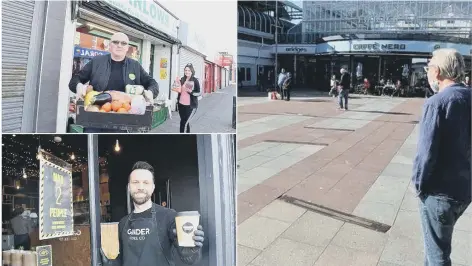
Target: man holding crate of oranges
point(117, 74)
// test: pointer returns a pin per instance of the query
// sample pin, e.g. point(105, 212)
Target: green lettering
point(153, 11)
point(145, 10)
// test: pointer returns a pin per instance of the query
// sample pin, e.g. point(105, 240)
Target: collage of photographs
point(236, 133)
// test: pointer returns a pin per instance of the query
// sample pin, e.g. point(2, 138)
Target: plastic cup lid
point(188, 213)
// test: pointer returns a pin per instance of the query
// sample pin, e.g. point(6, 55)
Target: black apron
point(152, 253)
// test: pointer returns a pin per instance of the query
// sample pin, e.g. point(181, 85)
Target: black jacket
point(98, 71)
point(346, 81)
point(195, 93)
point(165, 224)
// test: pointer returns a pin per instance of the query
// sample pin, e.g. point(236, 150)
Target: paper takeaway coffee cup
point(110, 240)
point(186, 223)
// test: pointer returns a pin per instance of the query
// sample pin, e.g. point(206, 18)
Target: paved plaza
point(354, 163)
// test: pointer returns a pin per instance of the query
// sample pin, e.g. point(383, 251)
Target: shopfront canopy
point(121, 17)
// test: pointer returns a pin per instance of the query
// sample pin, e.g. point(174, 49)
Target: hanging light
point(13, 135)
point(24, 173)
point(72, 157)
point(117, 146)
point(38, 155)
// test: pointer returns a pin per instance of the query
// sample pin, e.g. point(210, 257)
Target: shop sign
point(295, 49)
point(56, 214)
point(148, 12)
point(378, 46)
point(84, 52)
point(301, 49)
point(44, 257)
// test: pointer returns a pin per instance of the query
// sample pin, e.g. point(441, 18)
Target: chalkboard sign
point(56, 217)
point(44, 255)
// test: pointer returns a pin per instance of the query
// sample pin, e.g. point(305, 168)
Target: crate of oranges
point(114, 110)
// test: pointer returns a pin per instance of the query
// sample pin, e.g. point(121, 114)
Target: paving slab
point(342, 256)
point(245, 255)
point(282, 211)
point(259, 232)
point(359, 238)
point(313, 229)
point(285, 252)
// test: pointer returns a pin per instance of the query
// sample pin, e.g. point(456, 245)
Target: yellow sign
point(164, 73)
point(163, 63)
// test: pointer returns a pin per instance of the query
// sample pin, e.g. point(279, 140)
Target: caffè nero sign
point(379, 47)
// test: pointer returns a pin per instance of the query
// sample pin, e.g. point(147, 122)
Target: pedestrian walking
point(280, 81)
point(287, 87)
point(333, 91)
point(344, 87)
point(467, 82)
point(442, 170)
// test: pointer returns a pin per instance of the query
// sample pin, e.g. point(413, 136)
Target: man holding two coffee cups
point(148, 235)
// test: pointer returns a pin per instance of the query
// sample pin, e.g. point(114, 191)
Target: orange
point(122, 110)
point(102, 111)
point(116, 105)
point(127, 106)
point(106, 107)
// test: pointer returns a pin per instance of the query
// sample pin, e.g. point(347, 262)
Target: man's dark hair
point(140, 165)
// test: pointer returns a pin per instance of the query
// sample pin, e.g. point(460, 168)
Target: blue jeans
point(343, 95)
point(439, 214)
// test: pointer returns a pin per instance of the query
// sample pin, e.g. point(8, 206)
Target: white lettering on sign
point(138, 232)
point(378, 46)
point(295, 49)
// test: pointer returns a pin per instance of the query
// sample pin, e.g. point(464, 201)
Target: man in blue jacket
point(113, 72)
point(441, 171)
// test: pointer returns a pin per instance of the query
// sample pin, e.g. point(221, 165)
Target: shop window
point(92, 40)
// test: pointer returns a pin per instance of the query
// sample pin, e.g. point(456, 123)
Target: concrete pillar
point(146, 55)
point(56, 68)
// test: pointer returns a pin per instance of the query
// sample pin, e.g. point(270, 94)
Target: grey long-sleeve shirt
point(20, 225)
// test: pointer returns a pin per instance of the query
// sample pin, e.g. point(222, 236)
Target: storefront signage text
point(44, 257)
point(84, 52)
point(296, 49)
point(148, 12)
point(378, 46)
point(56, 209)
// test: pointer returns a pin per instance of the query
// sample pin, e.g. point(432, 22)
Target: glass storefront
point(92, 40)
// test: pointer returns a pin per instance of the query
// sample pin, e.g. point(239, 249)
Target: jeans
point(286, 94)
point(343, 95)
point(184, 111)
point(22, 241)
point(439, 214)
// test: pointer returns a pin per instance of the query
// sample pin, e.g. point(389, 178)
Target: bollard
point(234, 112)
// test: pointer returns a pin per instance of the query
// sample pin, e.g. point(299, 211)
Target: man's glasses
point(118, 42)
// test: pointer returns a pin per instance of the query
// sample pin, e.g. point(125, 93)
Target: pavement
point(214, 114)
point(316, 185)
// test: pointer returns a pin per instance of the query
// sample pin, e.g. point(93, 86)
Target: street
point(214, 114)
point(319, 186)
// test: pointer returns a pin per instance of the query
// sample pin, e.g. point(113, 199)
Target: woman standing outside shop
point(21, 227)
point(189, 91)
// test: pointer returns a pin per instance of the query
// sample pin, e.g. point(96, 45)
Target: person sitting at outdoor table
point(112, 72)
point(389, 88)
point(366, 86)
point(398, 89)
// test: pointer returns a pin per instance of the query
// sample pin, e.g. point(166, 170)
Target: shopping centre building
point(45, 42)
point(373, 39)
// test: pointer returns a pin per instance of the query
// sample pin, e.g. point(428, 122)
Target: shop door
point(207, 78)
point(17, 20)
point(187, 57)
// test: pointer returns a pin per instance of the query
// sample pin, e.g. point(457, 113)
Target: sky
point(216, 22)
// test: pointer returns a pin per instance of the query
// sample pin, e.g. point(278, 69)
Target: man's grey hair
point(450, 63)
